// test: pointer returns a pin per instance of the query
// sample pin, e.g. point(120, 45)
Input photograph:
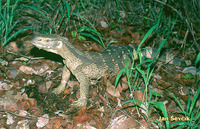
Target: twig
point(186, 20)
point(28, 57)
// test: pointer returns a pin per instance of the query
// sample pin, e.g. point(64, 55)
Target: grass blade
point(147, 34)
point(38, 10)
point(15, 34)
point(118, 76)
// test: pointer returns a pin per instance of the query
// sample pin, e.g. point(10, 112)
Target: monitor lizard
point(91, 65)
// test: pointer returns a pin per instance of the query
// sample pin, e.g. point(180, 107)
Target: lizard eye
point(47, 40)
point(58, 44)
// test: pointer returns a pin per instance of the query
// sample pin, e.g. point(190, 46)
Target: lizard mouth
point(40, 44)
point(45, 46)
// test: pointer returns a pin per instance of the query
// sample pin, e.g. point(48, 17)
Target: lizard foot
point(77, 105)
point(60, 88)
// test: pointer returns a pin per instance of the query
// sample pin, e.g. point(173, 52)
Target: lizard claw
point(57, 90)
point(60, 88)
point(80, 102)
point(77, 105)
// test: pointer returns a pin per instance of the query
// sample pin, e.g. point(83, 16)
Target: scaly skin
point(86, 66)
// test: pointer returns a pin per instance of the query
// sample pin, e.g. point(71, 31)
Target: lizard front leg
point(65, 78)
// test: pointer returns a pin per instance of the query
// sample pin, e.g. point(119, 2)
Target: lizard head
point(51, 43)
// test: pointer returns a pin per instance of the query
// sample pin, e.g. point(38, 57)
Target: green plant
point(66, 13)
point(198, 68)
point(166, 23)
point(84, 32)
point(129, 73)
point(192, 112)
point(7, 22)
point(94, 33)
point(136, 73)
point(59, 12)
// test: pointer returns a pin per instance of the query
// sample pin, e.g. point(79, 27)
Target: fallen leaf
point(144, 123)
point(27, 69)
point(12, 72)
point(42, 88)
point(124, 86)
point(10, 119)
point(42, 121)
point(54, 123)
point(111, 90)
point(22, 113)
point(80, 119)
point(23, 104)
point(138, 95)
point(5, 86)
point(23, 124)
point(36, 110)
point(122, 122)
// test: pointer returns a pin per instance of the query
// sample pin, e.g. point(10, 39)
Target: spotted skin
point(86, 66)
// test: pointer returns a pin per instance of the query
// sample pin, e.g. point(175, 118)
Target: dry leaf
point(10, 119)
point(26, 69)
point(138, 95)
point(23, 104)
point(122, 122)
point(124, 86)
point(5, 86)
point(23, 124)
point(36, 110)
point(42, 121)
point(144, 123)
point(80, 119)
point(54, 123)
point(111, 90)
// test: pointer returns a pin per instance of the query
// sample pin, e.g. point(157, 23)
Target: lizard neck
point(70, 52)
point(73, 57)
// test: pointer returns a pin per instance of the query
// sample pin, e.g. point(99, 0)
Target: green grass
point(192, 112)
point(89, 32)
point(62, 14)
point(196, 64)
point(136, 73)
point(7, 22)
point(68, 13)
point(59, 13)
